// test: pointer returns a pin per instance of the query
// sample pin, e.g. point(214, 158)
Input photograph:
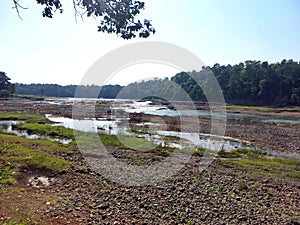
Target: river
point(113, 126)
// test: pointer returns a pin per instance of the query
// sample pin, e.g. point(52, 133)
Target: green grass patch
point(92, 140)
point(190, 151)
point(263, 165)
point(135, 143)
point(103, 106)
point(204, 117)
point(237, 153)
point(6, 171)
point(28, 96)
point(46, 130)
point(38, 144)
point(30, 118)
point(260, 108)
point(20, 156)
point(17, 152)
point(140, 131)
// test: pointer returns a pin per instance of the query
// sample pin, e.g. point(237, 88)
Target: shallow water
point(113, 126)
point(95, 125)
point(187, 140)
point(160, 110)
point(40, 181)
point(147, 107)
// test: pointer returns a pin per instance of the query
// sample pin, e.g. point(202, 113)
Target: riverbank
point(239, 187)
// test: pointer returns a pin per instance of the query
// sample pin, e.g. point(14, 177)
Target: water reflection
point(88, 125)
point(187, 140)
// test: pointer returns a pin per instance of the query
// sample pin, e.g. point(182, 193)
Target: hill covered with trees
point(248, 83)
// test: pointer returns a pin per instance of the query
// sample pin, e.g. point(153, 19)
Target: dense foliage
point(115, 16)
point(260, 83)
point(6, 88)
point(249, 83)
point(55, 90)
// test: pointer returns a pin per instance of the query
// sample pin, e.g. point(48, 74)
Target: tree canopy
point(248, 83)
point(6, 88)
point(115, 16)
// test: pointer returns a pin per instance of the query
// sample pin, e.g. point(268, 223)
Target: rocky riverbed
point(282, 137)
point(218, 195)
point(223, 193)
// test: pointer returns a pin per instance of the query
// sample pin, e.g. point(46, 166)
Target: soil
point(217, 195)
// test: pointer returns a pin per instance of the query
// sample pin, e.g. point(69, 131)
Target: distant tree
point(55, 90)
point(116, 16)
point(6, 88)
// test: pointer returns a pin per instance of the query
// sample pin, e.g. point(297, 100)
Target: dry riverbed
point(242, 187)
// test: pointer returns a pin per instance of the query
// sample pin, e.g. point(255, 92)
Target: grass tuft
point(30, 118)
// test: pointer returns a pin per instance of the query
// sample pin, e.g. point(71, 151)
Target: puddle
point(99, 125)
point(39, 181)
point(6, 125)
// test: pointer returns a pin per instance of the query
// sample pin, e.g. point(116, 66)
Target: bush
point(4, 93)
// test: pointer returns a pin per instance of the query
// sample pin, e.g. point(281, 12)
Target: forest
point(55, 90)
point(247, 83)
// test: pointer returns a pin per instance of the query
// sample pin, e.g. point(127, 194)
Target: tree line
point(247, 83)
point(55, 90)
point(260, 83)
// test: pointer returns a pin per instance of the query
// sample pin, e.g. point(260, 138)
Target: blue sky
point(59, 50)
